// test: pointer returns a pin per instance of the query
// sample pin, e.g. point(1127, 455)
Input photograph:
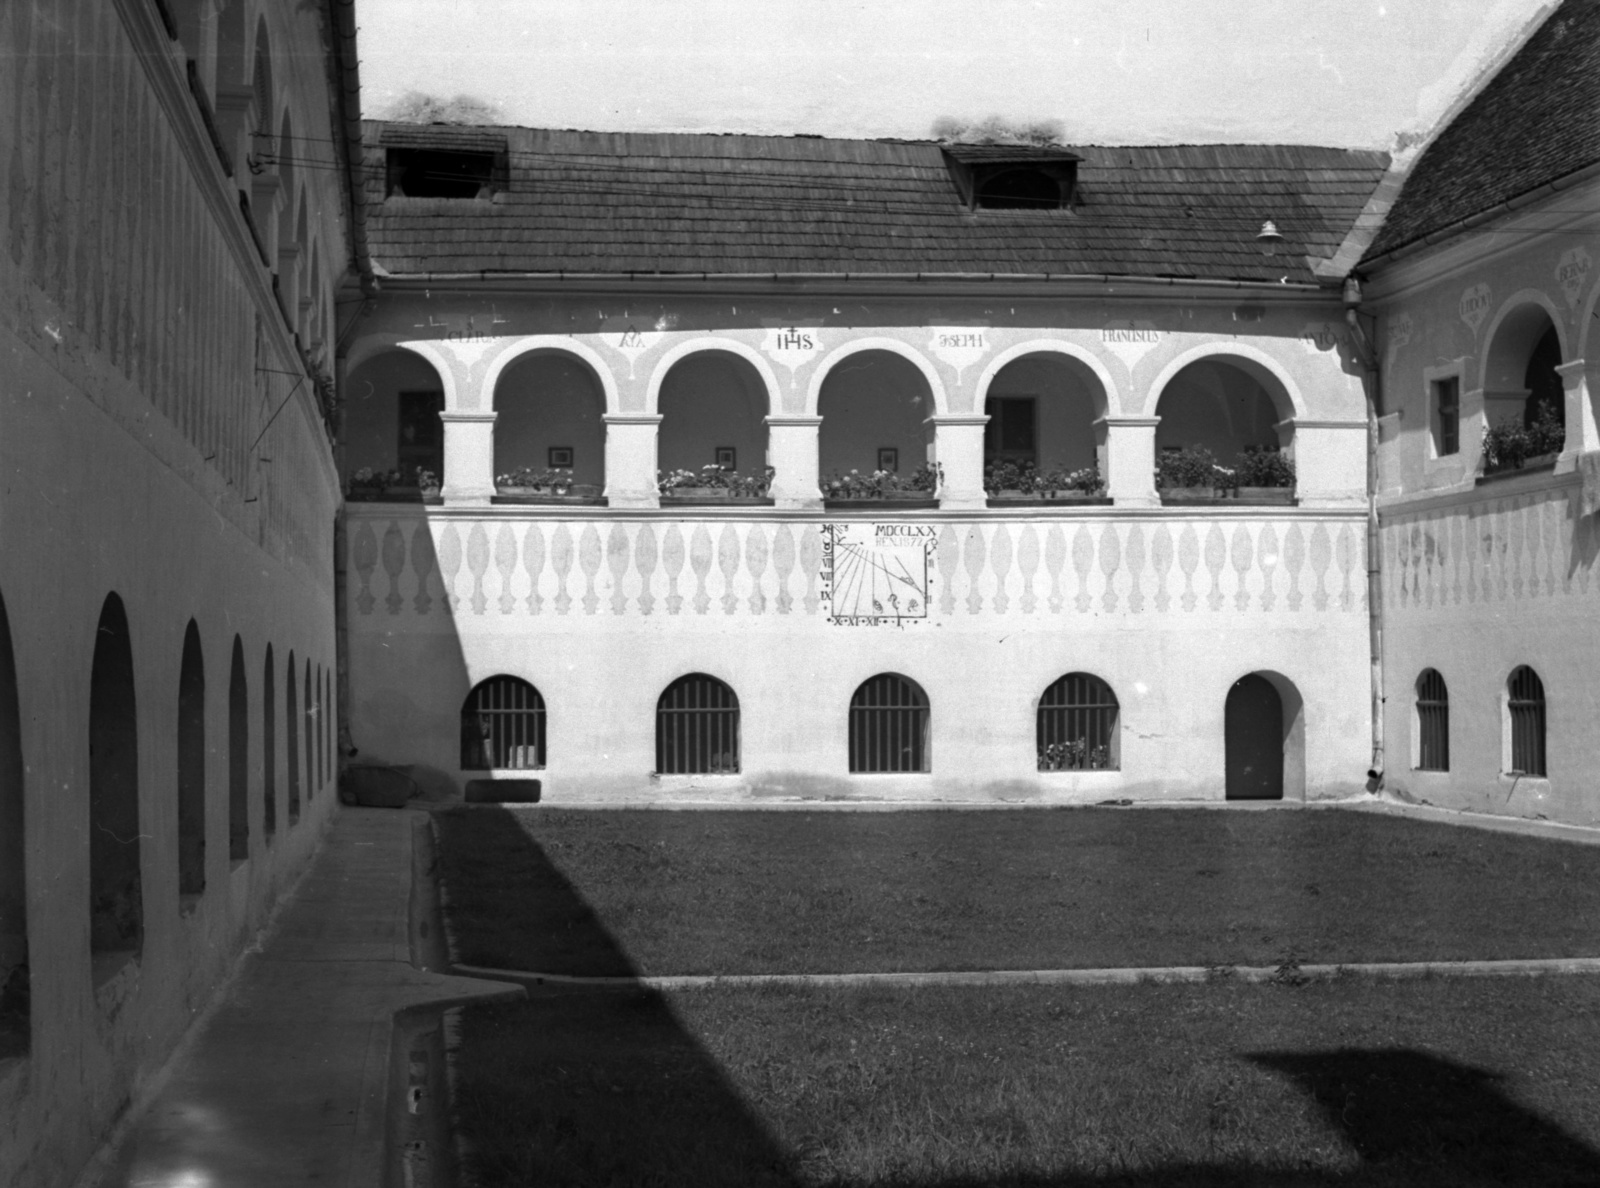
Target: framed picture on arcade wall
point(727, 458)
point(560, 456)
point(888, 458)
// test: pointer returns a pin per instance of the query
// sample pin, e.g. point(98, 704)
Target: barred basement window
point(697, 727)
point(502, 726)
point(889, 725)
point(1526, 705)
point(1433, 722)
point(1077, 725)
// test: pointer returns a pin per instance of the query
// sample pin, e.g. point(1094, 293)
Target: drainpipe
point(1367, 354)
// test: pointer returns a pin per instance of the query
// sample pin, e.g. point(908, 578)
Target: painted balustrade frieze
point(441, 567)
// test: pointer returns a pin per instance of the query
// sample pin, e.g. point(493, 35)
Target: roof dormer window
point(439, 173)
point(1013, 177)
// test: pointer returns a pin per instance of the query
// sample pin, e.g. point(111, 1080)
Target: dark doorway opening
point(116, 897)
point(1253, 737)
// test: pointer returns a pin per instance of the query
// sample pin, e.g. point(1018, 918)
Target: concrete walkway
point(287, 1082)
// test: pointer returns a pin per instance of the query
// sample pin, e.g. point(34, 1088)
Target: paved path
point(287, 1081)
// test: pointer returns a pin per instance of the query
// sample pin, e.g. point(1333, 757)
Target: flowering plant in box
point(856, 485)
point(1257, 467)
point(557, 480)
point(1508, 445)
point(1008, 476)
point(714, 477)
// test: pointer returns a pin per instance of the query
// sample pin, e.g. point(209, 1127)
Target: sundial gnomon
point(876, 573)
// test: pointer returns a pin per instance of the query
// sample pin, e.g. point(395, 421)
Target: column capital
point(1572, 371)
point(631, 418)
point(467, 414)
point(979, 419)
point(1127, 422)
point(796, 420)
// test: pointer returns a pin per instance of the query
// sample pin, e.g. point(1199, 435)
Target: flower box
point(362, 494)
point(712, 495)
point(900, 500)
point(1245, 496)
point(1537, 462)
point(579, 494)
point(1000, 498)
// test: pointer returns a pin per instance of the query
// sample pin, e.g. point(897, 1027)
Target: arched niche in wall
point(308, 710)
point(549, 412)
point(15, 1029)
point(1520, 381)
point(1225, 404)
point(116, 887)
point(873, 401)
point(1042, 410)
point(392, 403)
point(191, 770)
point(291, 739)
point(713, 402)
point(238, 756)
point(269, 748)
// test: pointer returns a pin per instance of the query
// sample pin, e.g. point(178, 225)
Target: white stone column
point(1130, 460)
point(793, 451)
point(1583, 389)
point(1330, 463)
point(468, 478)
point(631, 459)
point(958, 449)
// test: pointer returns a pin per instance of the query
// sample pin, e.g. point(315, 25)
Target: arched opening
point(15, 1013)
point(1254, 736)
point(316, 724)
point(713, 407)
point(1430, 723)
point(550, 416)
point(191, 770)
point(1227, 412)
point(1524, 397)
point(116, 896)
point(328, 716)
point(1077, 725)
point(280, 163)
point(502, 726)
point(889, 726)
point(309, 709)
point(392, 404)
point(697, 727)
point(1042, 410)
point(238, 756)
point(876, 408)
point(291, 737)
point(269, 749)
point(1525, 723)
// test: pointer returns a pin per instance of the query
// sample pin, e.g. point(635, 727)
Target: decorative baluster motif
point(1000, 563)
point(947, 557)
point(589, 552)
point(811, 564)
point(783, 559)
point(478, 565)
point(1216, 557)
point(728, 563)
point(1321, 555)
point(1162, 555)
point(755, 562)
point(1242, 556)
point(364, 555)
point(700, 562)
point(450, 565)
point(1028, 565)
point(1055, 560)
point(505, 563)
point(617, 562)
point(1110, 559)
point(533, 565)
point(1347, 553)
point(644, 559)
point(422, 564)
point(1082, 562)
point(1188, 561)
point(394, 564)
point(561, 562)
point(972, 553)
point(1133, 556)
point(672, 561)
point(1267, 559)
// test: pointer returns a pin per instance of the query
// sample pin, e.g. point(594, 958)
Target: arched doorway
point(1228, 411)
point(238, 756)
point(872, 402)
point(1042, 410)
point(550, 415)
point(191, 770)
point(1253, 738)
point(713, 407)
point(1524, 396)
point(391, 422)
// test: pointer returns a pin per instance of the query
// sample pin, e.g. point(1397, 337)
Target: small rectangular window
point(1446, 416)
point(440, 173)
point(421, 444)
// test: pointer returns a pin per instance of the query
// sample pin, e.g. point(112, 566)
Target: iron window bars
point(1077, 725)
point(1527, 721)
point(889, 726)
point(502, 726)
point(1433, 722)
point(697, 727)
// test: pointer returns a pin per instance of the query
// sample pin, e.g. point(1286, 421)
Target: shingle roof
point(1537, 120)
point(679, 203)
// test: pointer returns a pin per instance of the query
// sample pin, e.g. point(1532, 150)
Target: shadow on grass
point(610, 1087)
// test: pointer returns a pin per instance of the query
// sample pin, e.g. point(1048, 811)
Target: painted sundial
point(876, 574)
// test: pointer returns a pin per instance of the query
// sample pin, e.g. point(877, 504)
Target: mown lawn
point(1449, 1082)
point(586, 892)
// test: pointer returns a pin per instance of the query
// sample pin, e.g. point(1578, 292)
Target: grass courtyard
point(1351, 1081)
